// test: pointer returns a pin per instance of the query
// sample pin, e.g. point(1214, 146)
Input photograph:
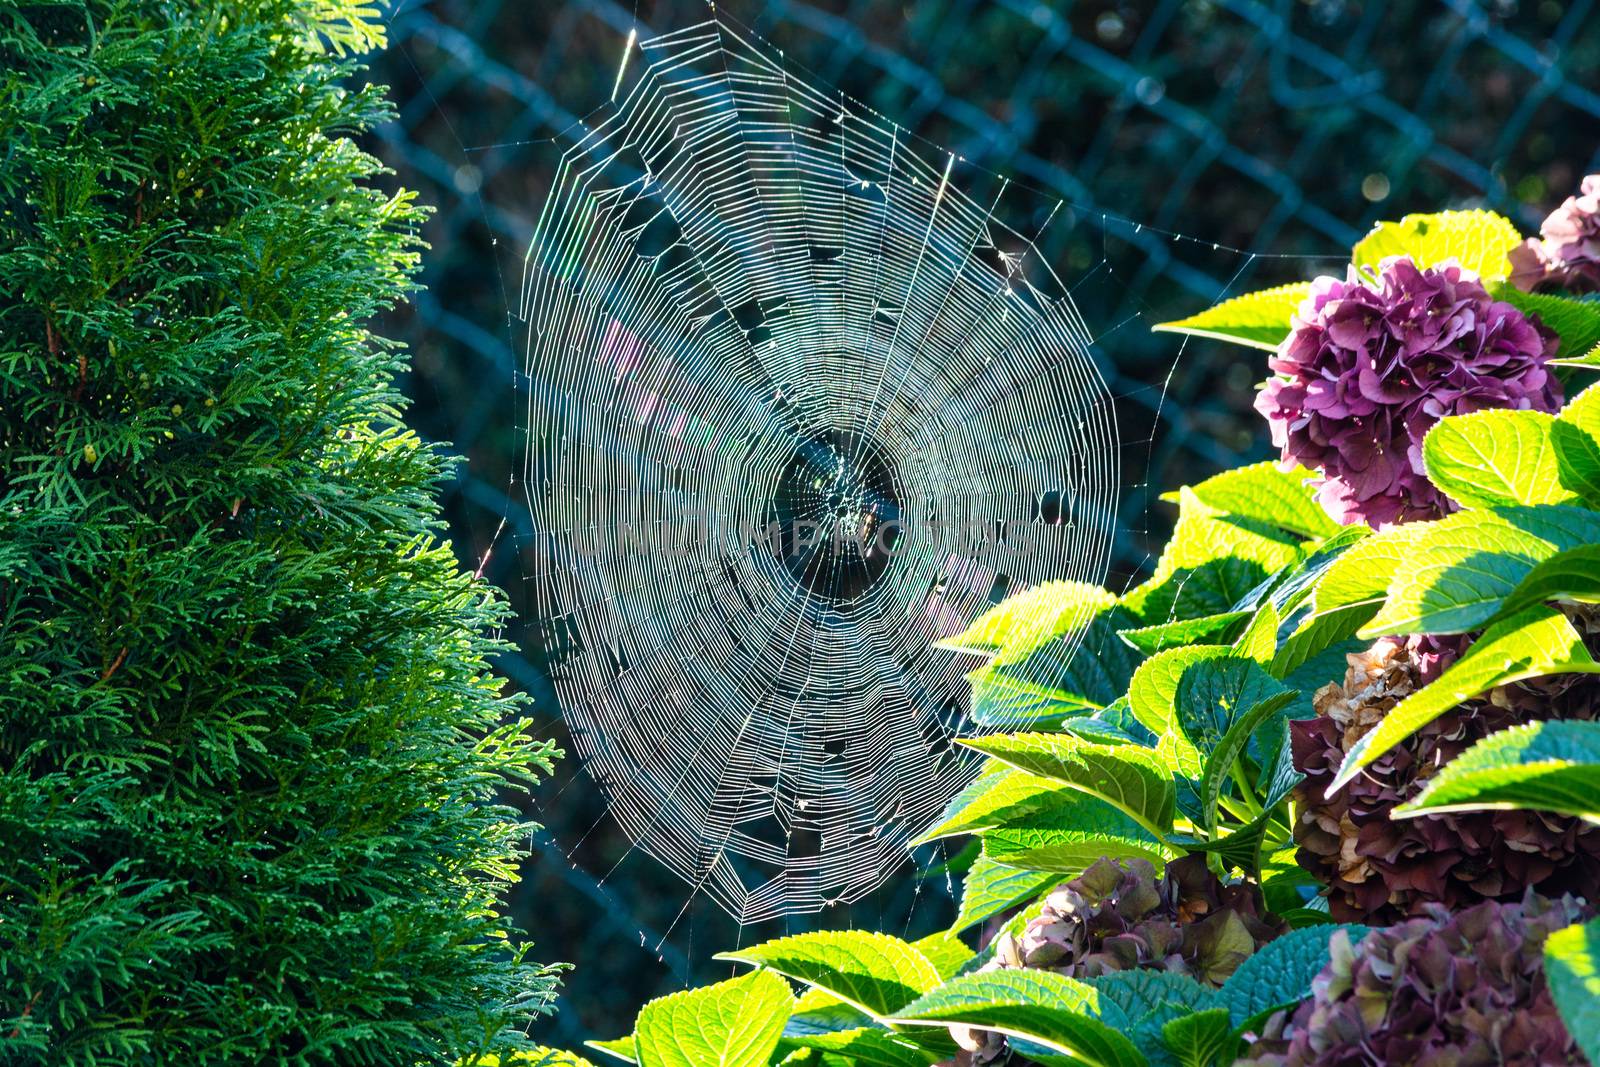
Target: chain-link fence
point(1197, 147)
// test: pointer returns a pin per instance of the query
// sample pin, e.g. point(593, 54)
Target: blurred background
point(1199, 148)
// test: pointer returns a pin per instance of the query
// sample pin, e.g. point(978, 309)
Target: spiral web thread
point(801, 405)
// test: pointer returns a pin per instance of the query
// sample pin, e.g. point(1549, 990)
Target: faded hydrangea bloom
point(1373, 362)
point(1465, 989)
point(1566, 254)
point(1379, 869)
point(1122, 916)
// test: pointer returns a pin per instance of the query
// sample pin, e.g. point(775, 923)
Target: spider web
point(801, 405)
point(1153, 186)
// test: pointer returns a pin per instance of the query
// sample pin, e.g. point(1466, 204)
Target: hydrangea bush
point(1341, 806)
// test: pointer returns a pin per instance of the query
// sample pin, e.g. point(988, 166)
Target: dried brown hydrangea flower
point(1462, 989)
point(1122, 916)
point(1380, 869)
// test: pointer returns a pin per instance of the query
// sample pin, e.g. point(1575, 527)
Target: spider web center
point(834, 515)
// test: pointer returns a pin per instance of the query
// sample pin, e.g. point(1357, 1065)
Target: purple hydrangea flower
point(1373, 362)
point(1566, 254)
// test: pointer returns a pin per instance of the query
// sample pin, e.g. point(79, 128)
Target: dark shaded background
point(1167, 128)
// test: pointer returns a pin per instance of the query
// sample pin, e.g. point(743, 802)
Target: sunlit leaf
point(990, 799)
point(1532, 643)
point(1213, 629)
point(1070, 836)
point(1576, 437)
point(1031, 616)
point(735, 1023)
point(625, 1049)
point(1545, 766)
point(1260, 319)
point(1211, 562)
point(1360, 576)
point(1459, 569)
point(1572, 966)
point(1478, 240)
point(866, 1046)
point(1495, 458)
point(1125, 776)
point(874, 972)
point(1267, 492)
point(1048, 1008)
point(1573, 575)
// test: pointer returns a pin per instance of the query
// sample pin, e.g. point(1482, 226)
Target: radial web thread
point(801, 405)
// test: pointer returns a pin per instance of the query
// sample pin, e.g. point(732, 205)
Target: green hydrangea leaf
point(735, 1023)
point(817, 1011)
point(1153, 694)
point(945, 951)
point(990, 888)
point(1216, 693)
point(1303, 632)
point(1130, 778)
point(1069, 665)
point(1279, 973)
point(1329, 664)
point(1573, 575)
point(999, 794)
point(1283, 881)
point(1031, 617)
point(1297, 584)
point(1071, 835)
point(1576, 437)
point(1572, 966)
point(1129, 998)
point(625, 1049)
point(866, 1046)
point(1459, 569)
point(1544, 766)
point(874, 972)
point(1219, 762)
point(1531, 643)
point(541, 1057)
point(1312, 638)
point(1267, 492)
point(1113, 724)
point(1201, 1039)
point(1212, 629)
point(1041, 1006)
point(1292, 592)
point(1478, 240)
point(1260, 319)
point(1360, 576)
point(1495, 457)
point(1138, 1004)
point(1189, 698)
point(1259, 641)
point(1575, 322)
point(1211, 563)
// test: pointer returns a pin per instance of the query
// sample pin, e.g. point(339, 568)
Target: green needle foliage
point(250, 743)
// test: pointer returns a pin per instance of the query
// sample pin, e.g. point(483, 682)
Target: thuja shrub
point(251, 747)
